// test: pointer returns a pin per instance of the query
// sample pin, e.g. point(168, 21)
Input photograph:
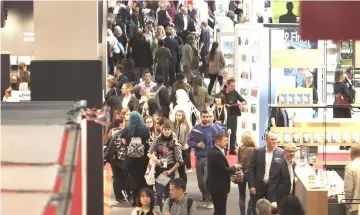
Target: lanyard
point(219, 113)
point(163, 149)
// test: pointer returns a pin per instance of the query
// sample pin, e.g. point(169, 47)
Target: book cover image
point(328, 138)
point(284, 99)
point(287, 138)
point(296, 138)
point(253, 126)
point(317, 138)
point(345, 138)
point(253, 108)
point(278, 138)
point(355, 138)
point(299, 98)
point(306, 138)
point(306, 98)
point(292, 98)
point(336, 138)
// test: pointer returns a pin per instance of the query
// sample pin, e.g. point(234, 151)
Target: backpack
point(189, 204)
point(136, 149)
point(155, 95)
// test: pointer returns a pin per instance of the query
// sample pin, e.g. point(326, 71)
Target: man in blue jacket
point(201, 138)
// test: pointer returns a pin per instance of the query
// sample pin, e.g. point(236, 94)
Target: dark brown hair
point(219, 136)
point(149, 193)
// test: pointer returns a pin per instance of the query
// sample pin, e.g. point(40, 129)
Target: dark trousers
point(242, 197)
point(182, 168)
point(136, 170)
point(232, 124)
point(119, 180)
point(212, 81)
point(261, 192)
point(219, 201)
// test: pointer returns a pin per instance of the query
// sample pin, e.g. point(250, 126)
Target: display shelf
point(249, 47)
point(317, 144)
point(308, 106)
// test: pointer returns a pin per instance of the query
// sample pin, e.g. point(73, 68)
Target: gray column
point(66, 30)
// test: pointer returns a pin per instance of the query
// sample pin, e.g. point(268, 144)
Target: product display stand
point(250, 54)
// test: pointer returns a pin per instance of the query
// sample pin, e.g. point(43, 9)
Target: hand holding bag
point(238, 177)
point(150, 173)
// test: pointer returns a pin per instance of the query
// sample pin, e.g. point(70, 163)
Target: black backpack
point(189, 204)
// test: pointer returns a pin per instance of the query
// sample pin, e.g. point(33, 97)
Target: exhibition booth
point(276, 70)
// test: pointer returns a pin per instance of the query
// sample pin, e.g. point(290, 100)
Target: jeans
point(162, 192)
point(242, 197)
point(202, 176)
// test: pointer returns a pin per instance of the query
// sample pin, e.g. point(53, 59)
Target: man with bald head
point(282, 176)
point(259, 168)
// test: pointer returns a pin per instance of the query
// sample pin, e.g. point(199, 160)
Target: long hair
point(213, 49)
point(149, 117)
point(136, 126)
point(182, 121)
point(197, 82)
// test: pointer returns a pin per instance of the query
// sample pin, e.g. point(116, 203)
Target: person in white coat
point(184, 103)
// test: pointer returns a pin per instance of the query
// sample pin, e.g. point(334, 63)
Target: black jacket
point(256, 168)
point(179, 22)
point(280, 181)
point(121, 81)
point(173, 46)
point(141, 52)
point(219, 172)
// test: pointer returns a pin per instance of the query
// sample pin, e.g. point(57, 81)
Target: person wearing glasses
point(282, 177)
point(259, 168)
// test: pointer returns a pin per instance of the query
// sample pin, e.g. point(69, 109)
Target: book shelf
point(250, 46)
point(314, 136)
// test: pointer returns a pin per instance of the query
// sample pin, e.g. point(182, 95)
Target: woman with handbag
point(115, 154)
point(244, 153)
point(166, 153)
point(216, 62)
point(343, 96)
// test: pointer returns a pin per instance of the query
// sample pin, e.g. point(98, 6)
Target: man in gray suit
point(352, 181)
point(259, 168)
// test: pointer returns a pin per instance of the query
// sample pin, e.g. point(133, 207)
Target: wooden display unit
point(315, 133)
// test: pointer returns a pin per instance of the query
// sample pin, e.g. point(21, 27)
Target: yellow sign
point(296, 58)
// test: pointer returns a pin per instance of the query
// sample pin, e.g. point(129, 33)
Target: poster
point(285, 11)
point(296, 57)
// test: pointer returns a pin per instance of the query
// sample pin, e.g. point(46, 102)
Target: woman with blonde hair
point(244, 153)
point(182, 130)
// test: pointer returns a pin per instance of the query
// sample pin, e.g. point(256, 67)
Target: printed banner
point(285, 11)
point(298, 57)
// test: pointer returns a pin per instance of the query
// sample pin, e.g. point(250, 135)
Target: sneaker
point(125, 195)
point(203, 203)
point(189, 170)
point(210, 205)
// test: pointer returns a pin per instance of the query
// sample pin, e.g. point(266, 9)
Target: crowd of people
point(162, 111)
